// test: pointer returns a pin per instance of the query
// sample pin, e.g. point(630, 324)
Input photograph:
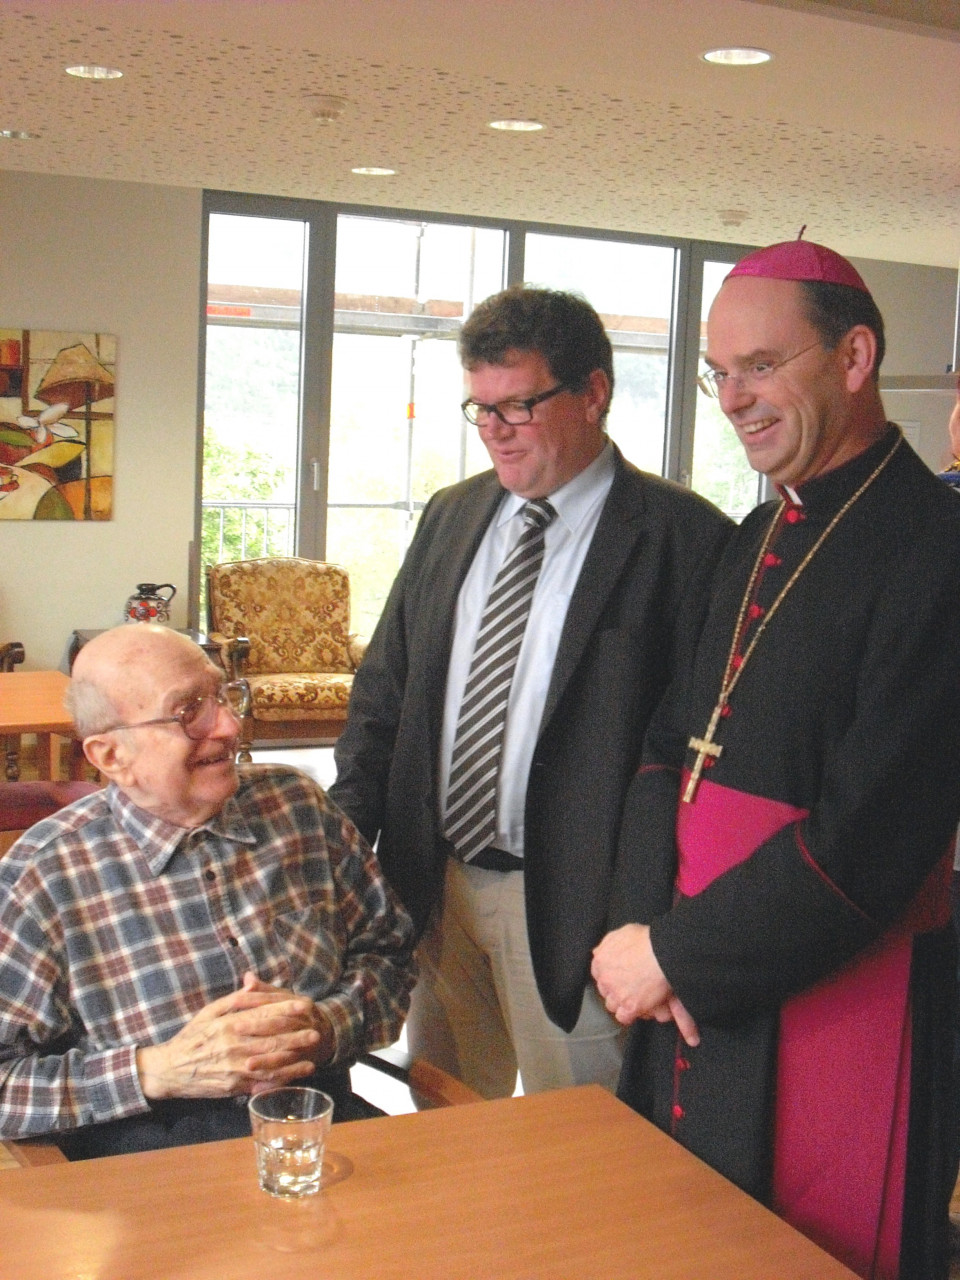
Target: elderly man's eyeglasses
point(512, 413)
point(712, 381)
point(198, 716)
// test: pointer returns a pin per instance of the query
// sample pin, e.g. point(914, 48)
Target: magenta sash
point(843, 1066)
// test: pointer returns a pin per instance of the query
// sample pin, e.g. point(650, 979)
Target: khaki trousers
point(476, 1011)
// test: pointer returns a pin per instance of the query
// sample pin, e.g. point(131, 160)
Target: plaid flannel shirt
point(116, 928)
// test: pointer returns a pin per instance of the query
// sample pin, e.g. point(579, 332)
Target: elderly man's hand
point(633, 985)
point(253, 1039)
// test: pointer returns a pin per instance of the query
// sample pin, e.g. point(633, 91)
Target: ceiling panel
point(852, 129)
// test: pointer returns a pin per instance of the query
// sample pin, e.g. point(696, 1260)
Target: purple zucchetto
point(799, 260)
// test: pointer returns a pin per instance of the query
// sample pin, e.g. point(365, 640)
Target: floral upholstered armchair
point(283, 625)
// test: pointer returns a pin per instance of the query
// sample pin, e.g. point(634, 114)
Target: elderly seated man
point(192, 934)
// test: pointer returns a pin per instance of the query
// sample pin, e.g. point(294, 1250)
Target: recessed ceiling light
point(326, 107)
point(20, 134)
point(89, 71)
point(737, 57)
point(373, 171)
point(516, 126)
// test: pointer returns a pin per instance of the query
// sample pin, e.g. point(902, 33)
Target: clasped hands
point(632, 984)
point(257, 1038)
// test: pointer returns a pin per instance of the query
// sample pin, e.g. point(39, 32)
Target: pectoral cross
point(704, 747)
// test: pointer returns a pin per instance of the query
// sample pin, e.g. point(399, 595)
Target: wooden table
point(570, 1185)
point(32, 702)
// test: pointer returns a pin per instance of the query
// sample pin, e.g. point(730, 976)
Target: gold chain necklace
point(706, 746)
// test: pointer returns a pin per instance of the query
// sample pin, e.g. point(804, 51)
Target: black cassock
point(799, 904)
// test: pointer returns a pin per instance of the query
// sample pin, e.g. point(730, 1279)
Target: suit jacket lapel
point(620, 525)
point(460, 543)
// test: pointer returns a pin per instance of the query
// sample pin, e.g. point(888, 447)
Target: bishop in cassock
point(784, 949)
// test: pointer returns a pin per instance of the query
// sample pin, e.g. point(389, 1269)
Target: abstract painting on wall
point(57, 393)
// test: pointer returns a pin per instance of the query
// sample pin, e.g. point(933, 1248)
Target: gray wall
point(918, 305)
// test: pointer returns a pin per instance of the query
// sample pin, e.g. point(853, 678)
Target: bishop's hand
point(632, 984)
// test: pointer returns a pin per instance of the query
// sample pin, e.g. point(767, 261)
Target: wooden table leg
point(45, 758)
point(78, 761)
point(12, 754)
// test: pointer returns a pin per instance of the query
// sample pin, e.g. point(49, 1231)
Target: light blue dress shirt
point(578, 505)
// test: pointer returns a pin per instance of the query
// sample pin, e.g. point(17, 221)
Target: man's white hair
point(93, 710)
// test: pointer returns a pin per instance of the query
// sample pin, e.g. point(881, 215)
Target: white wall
point(924, 416)
point(120, 258)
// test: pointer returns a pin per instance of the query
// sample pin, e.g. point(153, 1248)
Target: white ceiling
point(853, 129)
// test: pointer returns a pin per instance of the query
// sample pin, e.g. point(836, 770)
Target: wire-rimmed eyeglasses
point(712, 381)
point(198, 716)
point(512, 413)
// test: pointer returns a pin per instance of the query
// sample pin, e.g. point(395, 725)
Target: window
point(403, 289)
point(720, 468)
point(332, 383)
point(632, 287)
point(251, 387)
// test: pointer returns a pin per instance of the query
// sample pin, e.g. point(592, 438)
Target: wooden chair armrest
point(356, 648)
point(428, 1082)
point(234, 652)
point(10, 654)
point(30, 1152)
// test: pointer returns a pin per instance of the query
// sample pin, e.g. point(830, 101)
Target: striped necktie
point(471, 817)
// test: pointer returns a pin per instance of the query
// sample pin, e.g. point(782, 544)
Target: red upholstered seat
point(24, 803)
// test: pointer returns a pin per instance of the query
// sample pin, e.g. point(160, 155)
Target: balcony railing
point(244, 530)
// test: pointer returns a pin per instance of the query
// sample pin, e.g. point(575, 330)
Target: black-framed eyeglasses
point(512, 413)
point(712, 381)
point(198, 716)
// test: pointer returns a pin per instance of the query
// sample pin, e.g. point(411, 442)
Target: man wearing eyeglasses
point(497, 718)
point(788, 962)
point(192, 934)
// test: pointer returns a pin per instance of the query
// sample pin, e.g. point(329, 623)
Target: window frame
point(318, 321)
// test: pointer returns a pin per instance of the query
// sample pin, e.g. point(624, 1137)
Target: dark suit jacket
point(634, 616)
